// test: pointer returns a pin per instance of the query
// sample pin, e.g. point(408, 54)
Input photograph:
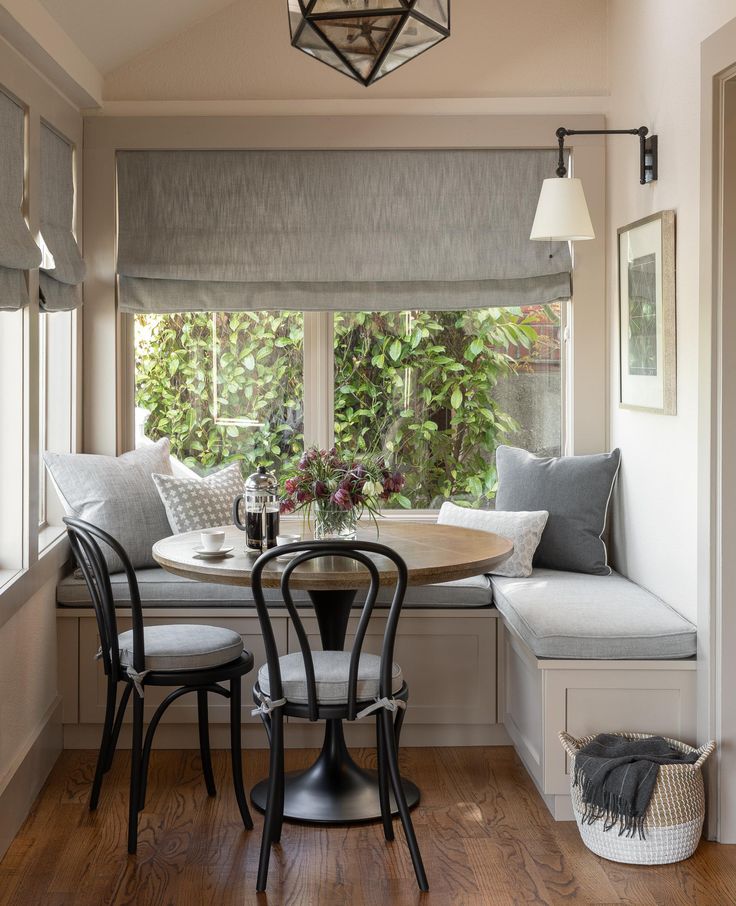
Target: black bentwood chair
point(303, 685)
point(192, 658)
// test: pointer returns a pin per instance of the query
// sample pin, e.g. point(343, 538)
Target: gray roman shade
point(340, 230)
point(18, 251)
point(60, 279)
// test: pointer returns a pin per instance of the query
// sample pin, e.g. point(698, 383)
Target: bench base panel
point(540, 697)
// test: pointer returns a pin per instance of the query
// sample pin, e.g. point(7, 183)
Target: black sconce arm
point(648, 150)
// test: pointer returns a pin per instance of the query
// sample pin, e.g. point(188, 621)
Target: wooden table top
point(433, 553)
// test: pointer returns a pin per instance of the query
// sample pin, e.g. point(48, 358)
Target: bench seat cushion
point(159, 588)
point(574, 615)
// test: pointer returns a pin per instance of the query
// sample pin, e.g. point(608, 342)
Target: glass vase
point(331, 523)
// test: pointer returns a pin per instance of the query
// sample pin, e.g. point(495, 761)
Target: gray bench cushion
point(573, 615)
point(159, 588)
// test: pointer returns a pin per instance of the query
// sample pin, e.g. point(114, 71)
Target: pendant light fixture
point(562, 211)
point(367, 39)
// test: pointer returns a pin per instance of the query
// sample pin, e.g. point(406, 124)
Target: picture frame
point(647, 315)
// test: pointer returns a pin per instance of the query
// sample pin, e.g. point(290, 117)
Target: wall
point(654, 70)
point(30, 720)
point(497, 49)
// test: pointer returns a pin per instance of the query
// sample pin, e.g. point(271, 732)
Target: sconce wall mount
point(648, 149)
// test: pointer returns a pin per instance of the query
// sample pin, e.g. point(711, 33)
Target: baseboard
point(297, 736)
point(27, 773)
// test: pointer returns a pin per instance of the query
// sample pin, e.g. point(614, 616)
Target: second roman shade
point(62, 270)
point(334, 230)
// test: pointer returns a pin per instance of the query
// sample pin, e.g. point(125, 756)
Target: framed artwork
point(647, 328)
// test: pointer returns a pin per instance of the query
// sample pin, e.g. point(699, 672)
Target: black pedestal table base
point(334, 790)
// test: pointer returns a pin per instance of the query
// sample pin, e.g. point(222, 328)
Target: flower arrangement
point(340, 490)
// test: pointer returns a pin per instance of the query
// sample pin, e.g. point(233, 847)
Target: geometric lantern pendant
point(367, 39)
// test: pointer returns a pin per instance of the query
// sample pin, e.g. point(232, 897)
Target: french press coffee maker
point(261, 510)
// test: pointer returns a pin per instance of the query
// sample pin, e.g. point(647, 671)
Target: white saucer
point(212, 555)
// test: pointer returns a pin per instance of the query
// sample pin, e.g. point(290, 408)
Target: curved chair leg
point(236, 752)
point(118, 724)
point(204, 742)
point(105, 743)
point(135, 773)
point(393, 766)
point(275, 780)
point(383, 781)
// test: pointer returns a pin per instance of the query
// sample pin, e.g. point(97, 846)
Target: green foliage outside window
point(417, 386)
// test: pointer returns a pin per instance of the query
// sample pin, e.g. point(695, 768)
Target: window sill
point(48, 536)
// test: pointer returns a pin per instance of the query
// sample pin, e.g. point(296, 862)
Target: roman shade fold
point(62, 270)
point(333, 230)
point(18, 251)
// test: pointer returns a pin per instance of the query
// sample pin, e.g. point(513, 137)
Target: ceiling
point(111, 32)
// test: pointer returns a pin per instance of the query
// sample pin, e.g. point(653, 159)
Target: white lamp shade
point(562, 212)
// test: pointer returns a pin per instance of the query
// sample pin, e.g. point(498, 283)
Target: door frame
point(717, 441)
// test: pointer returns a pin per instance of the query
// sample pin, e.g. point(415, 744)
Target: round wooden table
point(335, 790)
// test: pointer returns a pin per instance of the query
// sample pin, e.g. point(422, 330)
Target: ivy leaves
point(418, 386)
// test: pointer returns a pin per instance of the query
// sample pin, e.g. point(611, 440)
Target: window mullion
point(318, 379)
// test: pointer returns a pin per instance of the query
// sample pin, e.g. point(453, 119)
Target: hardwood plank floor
point(485, 834)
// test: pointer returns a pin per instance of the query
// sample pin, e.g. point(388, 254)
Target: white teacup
point(287, 539)
point(212, 539)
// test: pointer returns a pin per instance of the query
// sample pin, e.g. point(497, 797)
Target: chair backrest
point(85, 539)
point(311, 550)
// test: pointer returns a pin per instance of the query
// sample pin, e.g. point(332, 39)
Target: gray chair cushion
point(331, 670)
point(572, 615)
point(575, 491)
point(159, 588)
point(183, 647)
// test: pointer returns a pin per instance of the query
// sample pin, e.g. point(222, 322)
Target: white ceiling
point(111, 32)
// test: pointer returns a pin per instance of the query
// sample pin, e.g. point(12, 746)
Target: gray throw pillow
point(523, 529)
point(575, 491)
point(198, 503)
point(117, 494)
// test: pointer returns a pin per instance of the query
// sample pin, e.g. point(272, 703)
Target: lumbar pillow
point(523, 529)
point(575, 491)
point(117, 494)
point(198, 503)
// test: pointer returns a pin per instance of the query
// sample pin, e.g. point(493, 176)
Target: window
point(56, 354)
point(222, 387)
point(435, 391)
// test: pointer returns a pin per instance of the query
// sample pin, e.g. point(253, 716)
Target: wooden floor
point(485, 835)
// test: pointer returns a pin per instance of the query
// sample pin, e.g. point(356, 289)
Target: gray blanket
point(617, 778)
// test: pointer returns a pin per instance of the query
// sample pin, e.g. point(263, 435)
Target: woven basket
point(674, 818)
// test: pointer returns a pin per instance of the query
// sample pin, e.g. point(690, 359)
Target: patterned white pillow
point(524, 529)
point(198, 503)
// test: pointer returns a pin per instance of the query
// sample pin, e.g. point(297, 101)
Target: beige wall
point(497, 49)
point(655, 81)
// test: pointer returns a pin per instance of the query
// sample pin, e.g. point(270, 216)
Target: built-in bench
point(451, 660)
point(584, 654)
point(569, 651)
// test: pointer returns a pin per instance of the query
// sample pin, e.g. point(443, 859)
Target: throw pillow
point(117, 494)
point(198, 503)
point(575, 491)
point(523, 529)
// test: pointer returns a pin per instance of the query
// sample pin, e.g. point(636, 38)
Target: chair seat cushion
point(573, 615)
point(183, 647)
point(159, 588)
point(331, 670)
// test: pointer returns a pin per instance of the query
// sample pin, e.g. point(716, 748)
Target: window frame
point(45, 551)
